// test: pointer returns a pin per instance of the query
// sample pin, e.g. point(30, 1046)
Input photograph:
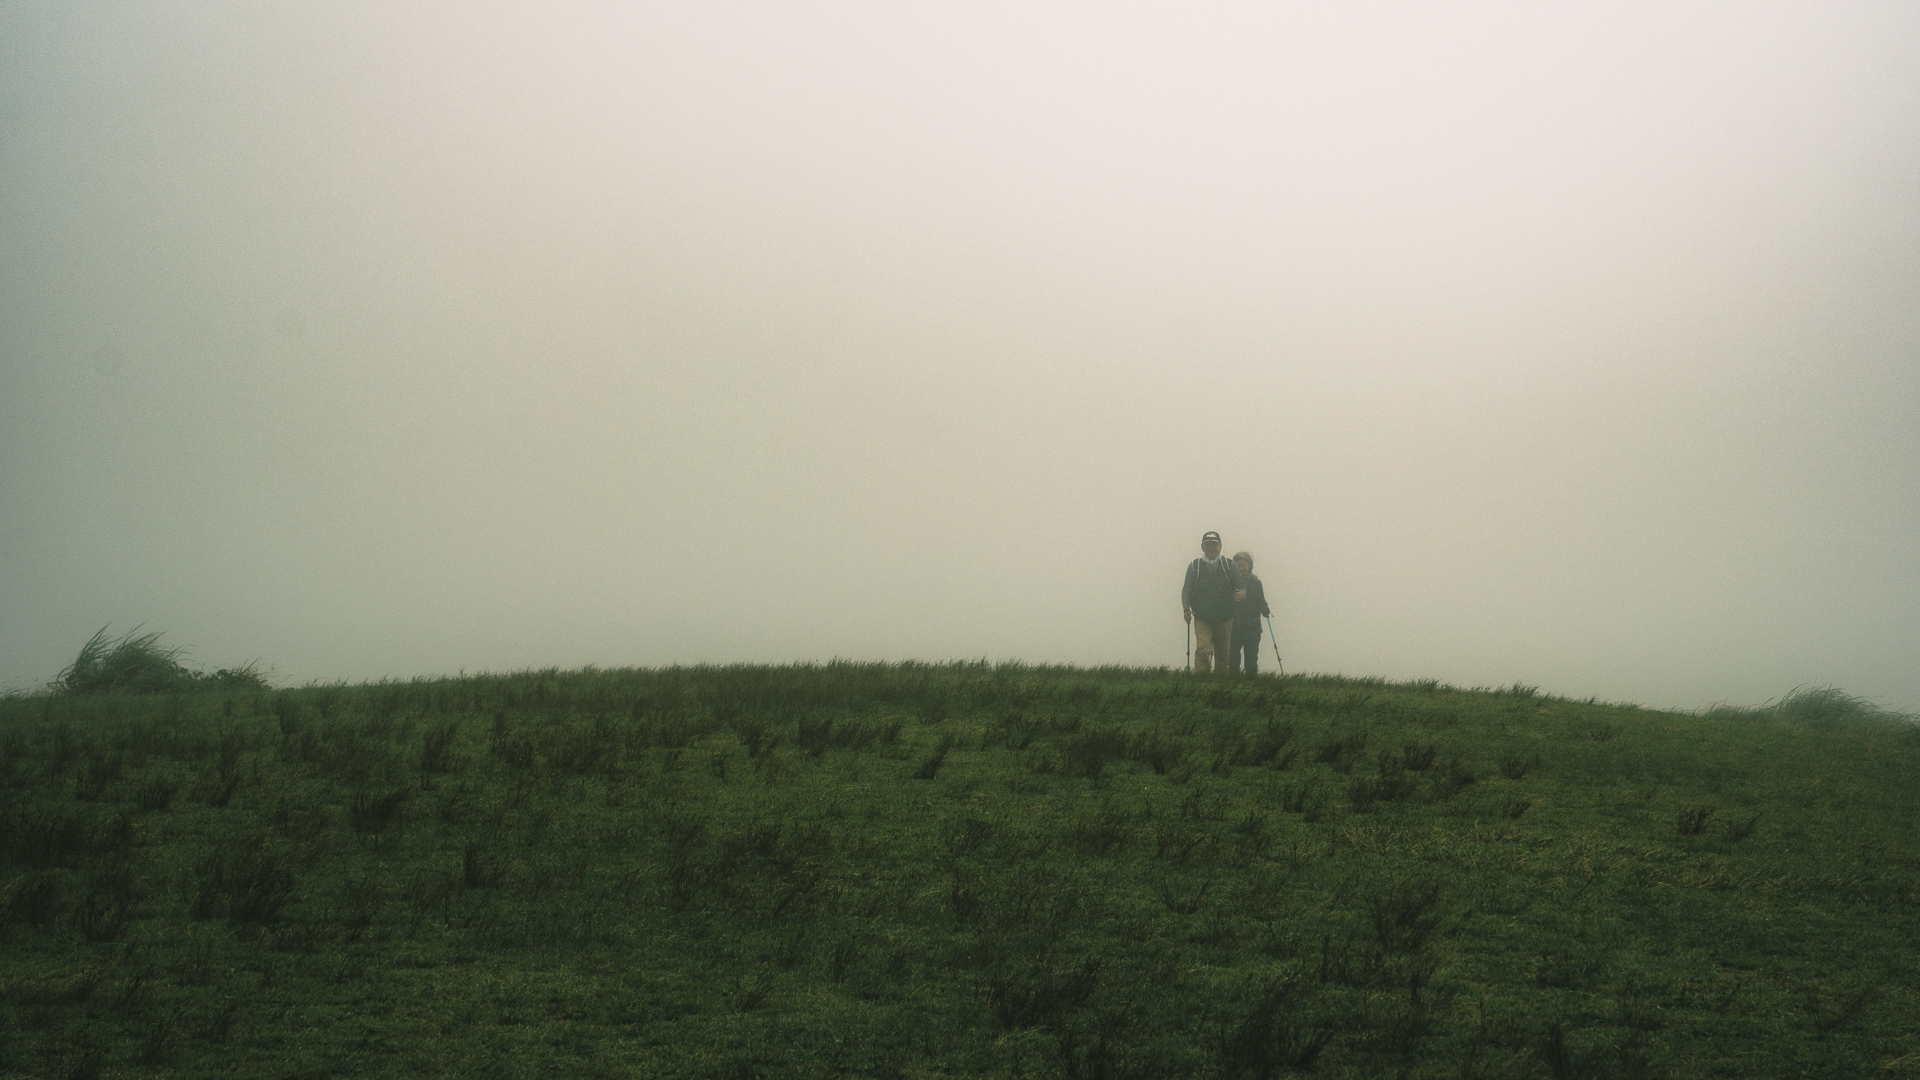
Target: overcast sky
point(1572, 344)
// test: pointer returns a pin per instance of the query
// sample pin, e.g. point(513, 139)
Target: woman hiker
point(1246, 616)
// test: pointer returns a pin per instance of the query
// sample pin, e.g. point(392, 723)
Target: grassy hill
point(953, 870)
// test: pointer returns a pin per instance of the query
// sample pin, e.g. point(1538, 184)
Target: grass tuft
point(1819, 707)
point(1695, 820)
point(136, 663)
point(1516, 766)
point(1274, 1034)
point(929, 766)
point(1040, 994)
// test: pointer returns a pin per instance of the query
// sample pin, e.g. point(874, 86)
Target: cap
point(1210, 538)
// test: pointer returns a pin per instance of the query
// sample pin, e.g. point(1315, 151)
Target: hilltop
point(952, 870)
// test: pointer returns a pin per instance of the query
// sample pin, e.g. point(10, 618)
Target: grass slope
point(952, 870)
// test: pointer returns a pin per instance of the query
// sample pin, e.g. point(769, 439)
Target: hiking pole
point(1275, 642)
point(1189, 644)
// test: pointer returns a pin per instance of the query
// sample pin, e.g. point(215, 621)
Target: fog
point(1569, 344)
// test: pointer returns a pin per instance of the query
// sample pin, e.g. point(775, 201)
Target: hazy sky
point(1574, 344)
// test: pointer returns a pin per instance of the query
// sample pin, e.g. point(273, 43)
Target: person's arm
point(1186, 592)
point(1262, 593)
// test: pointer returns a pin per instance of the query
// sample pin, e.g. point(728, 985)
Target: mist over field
point(1571, 346)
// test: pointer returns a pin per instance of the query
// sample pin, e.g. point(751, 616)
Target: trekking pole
point(1189, 644)
point(1275, 642)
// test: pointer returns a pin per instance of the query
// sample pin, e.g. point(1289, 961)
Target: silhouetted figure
point(1246, 617)
point(1207, 597)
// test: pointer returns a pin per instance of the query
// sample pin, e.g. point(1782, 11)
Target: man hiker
point(1207, 598)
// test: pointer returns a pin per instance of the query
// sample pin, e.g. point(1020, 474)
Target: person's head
point(1210, 543)
point(1244, 561)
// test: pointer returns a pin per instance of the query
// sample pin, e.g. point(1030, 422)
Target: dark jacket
point(1208, 589)
point(1246, 613)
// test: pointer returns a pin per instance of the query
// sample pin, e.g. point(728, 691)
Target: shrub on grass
point(841, 958)
point(1405, 916)
point(967, 834)
point(100, 918)
point(1738, 830)
point(375, 813)
point(1391, 785)
point(1086, 755)
point(1103, 834)
point(1273, 1036)
point(963, 895)
point(1175, 843)
point(1828, 706)
point(1517, 766)
point(436, 749)
point(1341, 752)
point(1266, 747)
point(34, 901)
point(252, 882)
point(1568, 968)
point(1418, 757)
point(815, 735)
point(1301, 798)
point(1562, 1062)
point(818, 736)
point(136, 663)
point(1160, 752)
point(930, 765)
point(1694, 820)
point(1015, 730)
point(1457, 777)
point(478, 868)
point(1040, 995)
point(579, 751)
point(157, 793)
point(129, 665)
point(1251, 838)
point(1812, 706)
point(97, 779)
point(49, 837)
point(1181, 896)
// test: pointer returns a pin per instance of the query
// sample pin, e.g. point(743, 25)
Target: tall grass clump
point(136, 663)
point(1815, 707)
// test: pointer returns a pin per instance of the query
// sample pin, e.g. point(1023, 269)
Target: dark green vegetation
point(966, 870)
point(136, 663)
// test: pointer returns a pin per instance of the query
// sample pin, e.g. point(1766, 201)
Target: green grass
point(136, 663)
point(953, 870)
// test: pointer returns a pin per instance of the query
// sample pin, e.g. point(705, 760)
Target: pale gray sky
point(1574, 344)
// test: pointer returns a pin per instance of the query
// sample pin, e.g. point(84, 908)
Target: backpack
point(1212, 594)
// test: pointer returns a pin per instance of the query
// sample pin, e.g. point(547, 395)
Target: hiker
point(1246, 617)
point(1207, 597)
